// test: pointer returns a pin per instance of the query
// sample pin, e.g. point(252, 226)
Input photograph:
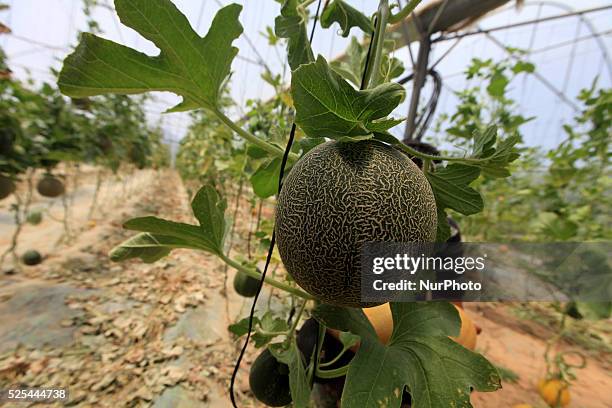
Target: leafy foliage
point(437, 371)
point(351, 67)
point(161, 236)
point(338, 11)
point(40, 128)
point(188, 65)
point(328, 106)
point(325, 102)
point(291, 24)
point(560, 191)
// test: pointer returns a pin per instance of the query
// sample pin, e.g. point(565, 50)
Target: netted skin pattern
point(336, 198)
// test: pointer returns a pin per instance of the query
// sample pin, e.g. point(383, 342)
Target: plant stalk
point(372, 75)
point(306, 3)
point(425, 156)
point(94, 200)
point(249, 137)
point(335, 359)
point(297, 317)
point(335, 373)
point(405, 12)
point(256, 275)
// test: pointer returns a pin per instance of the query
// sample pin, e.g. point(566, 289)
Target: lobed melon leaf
point(437, 371)
point(292, 26)
point(158, 236)
point(346, 16)
point(328, 106)
point(188, 65)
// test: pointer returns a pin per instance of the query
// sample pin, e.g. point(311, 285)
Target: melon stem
point(335, 359)
point(270, 281)
point(335, 373)
point(372, 74)
point(249, 137)
point(298, 315)
point(403, 13)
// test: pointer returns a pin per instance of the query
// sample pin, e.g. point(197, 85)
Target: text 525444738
point(34, 394)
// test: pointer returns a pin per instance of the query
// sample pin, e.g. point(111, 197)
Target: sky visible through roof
point(567, 54)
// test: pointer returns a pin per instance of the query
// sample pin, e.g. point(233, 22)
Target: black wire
point(272, 241)
point(367, 60)
point(406, 79)
point(291, 313)
point(424, 120)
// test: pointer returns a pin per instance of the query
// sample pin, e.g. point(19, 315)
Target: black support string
point(272, 241)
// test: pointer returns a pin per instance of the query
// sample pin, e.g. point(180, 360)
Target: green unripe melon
point(269, 380)
point(340, 196)
point(31, 257)
point(571, 309)
point(34, 218)
point(50, 186)
point(7, 187)
point(244, 285)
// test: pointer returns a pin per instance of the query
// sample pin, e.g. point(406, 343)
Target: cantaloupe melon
point(50, 186)
point(336, 198)
point(7, 187)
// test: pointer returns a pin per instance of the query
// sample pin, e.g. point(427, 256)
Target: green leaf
point(265, 178)
point(241, 327)
point(308, 143)
point(298, 378)
point(148, 247)
point(348, 339)
point(451, 188)
point(381, 126)
point(209, 210)
point(351, 67)
point(499, 158)
point(497, 85)
point(256, 152)
point(437, 371)
point(345, 319)
point(292, 26)
point(523, 66)
point(188, 65)
point(443, 231)
point(269, 324)
point(346, 16)
point(484, 141)
point(191, 235)
point(328, 106)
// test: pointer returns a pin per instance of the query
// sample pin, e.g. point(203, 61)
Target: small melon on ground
point(31, 257)
point(34, 217)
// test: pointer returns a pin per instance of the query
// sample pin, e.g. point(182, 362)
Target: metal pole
point(417, 84)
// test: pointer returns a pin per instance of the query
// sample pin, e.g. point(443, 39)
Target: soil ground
point(155, 335)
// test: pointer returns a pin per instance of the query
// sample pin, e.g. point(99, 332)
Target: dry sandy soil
point(135, 334)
